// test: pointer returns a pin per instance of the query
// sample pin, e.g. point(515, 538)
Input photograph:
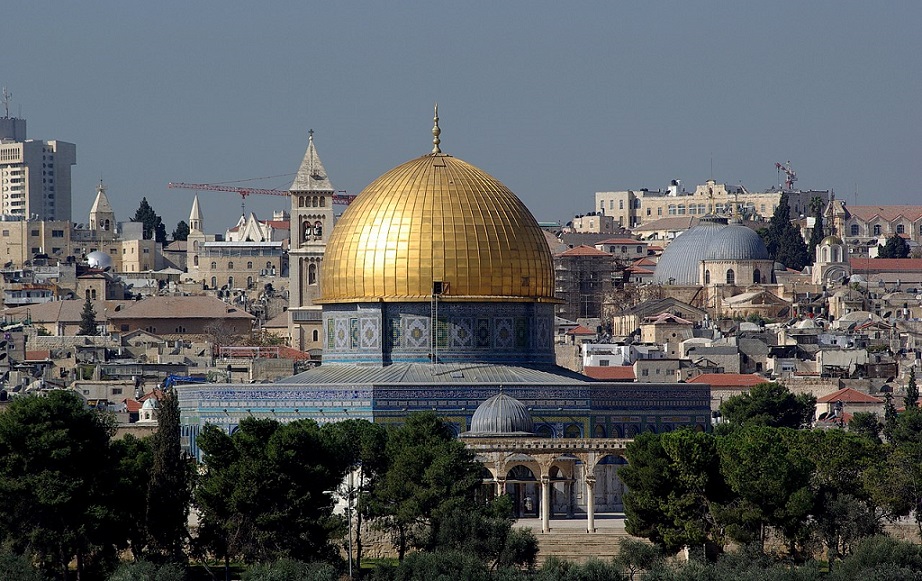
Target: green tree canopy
point(783, 240)
point(88, 324)
point(265, 492)
point(153, 225)
point(429, 474)
point(769, 404)
point(56, 481)
point(182, 231)
point(895, 247)
point(817, 233)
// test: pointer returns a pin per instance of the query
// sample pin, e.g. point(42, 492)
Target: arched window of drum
point(825, 254)
point(312, 273)
point(707, 277)
point(731, 276)
point(573, 431)
point(756, 276)
point(835, 254)
point(544, 431)
point(598, 431)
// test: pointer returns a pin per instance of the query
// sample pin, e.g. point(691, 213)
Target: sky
point(557, 100)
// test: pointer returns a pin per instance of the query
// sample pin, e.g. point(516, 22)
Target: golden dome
point(437, 218)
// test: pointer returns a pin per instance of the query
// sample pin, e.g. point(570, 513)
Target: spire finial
point(436, 131)
point(310, 135)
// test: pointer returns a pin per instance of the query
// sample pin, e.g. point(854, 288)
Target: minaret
point(102, 217)
point(195, 217)
point(311, 223)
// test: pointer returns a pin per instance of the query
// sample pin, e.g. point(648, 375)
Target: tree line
point(765, 479)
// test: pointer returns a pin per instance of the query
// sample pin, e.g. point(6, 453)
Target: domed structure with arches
point(831, 264)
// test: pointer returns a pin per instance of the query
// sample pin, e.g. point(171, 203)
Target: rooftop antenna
point(712, 165)
point(7, 98)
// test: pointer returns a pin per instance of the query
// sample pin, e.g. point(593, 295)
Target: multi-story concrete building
point(34, 175)
point(864, 227)
point(631, 208)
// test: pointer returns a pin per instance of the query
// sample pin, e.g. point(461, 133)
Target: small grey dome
point(501, 415)
point(737, 242)
point(98, 259)
point(679, 262)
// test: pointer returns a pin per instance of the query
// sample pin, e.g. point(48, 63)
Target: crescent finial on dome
point(436, 131)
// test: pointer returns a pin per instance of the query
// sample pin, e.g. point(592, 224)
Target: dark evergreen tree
point(911, 400)
point(153, 225)
point(88, 325)
point(817, 234)
point(896, 247)
point(769, 404)
point(182, 231)
point(890, 417)
point(783, 239)
point(169, 492)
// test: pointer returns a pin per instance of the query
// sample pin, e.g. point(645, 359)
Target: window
point(681, 209)
point(624, 250)
point(900, 229)
point(672, 210)
point(659, 211)
point(311, 273)
point(146, 251)
point(6, 232)
point(230, 265)
point(876, 229)
point(731, 276)
point(57, 233)
point(756, 276)
point(116, 391)
point(707, 277)
point(214, 265)
point(230, 282)
point(854, 229)
point(250, 264)
point(620, 204)
point(195, 261)
point(34, 233)
point(640, 250)
point(315, 335)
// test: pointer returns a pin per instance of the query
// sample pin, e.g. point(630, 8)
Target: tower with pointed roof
point(102, 217)
point(311, 223)
point(195, 217)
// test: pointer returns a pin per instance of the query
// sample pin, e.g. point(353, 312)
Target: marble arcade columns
point(545, 503)
point(590, 503)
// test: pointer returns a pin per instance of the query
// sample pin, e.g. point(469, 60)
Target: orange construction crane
point(340, 197)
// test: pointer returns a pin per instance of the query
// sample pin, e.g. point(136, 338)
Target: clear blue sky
point(556, 99)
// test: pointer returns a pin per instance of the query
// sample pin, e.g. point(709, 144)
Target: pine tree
point(896, 247)
point(153, 224)
point(889, 417)
point(911, 399)
point(88, 320)
point(170, 490)
point(182, 231)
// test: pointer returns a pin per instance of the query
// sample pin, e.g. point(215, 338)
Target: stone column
point(590, 503)
point(545, 503)
point(568, 492)
point(500, 486)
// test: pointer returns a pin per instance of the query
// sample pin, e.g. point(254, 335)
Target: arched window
point(106, 225)
point(312, 273)
point(624, 250)
point(230, 282)
point(731, 276)
point(318, 228)
point(230, 265)
point(249, 281)
point(305, 230)
point(300, 201)
point(854, 229)
point(900, 229)
point(214, 282)
point(707, 277)
point(315, 335)
point(195, 261)
point(756, 276)
point(672, 209)
point(323, 201)
point(268, 264)
point(835, 254)
point(214, 265)
point(640, 250)
point(825, 254)
point(249, 264)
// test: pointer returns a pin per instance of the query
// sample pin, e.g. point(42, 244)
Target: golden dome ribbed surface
point(437, 218)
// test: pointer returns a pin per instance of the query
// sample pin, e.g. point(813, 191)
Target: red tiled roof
point(292, 353)
point(665, 318)
point(639, 270)
point(155, 393)
point(729, 379)
point(584, 250)
point(615, 373)
point(888, 213)
point(849, 395)
point(580, 330)
point(280, 224)
point(132, 405)
point(38, 354)
point(862, 265)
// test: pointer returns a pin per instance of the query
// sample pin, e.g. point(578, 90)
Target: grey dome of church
point(501, 415)
point(736, 242)
point(679, 262)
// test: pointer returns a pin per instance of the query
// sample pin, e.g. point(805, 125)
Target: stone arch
point(731, 276)
point(545, 431)
point(573, 430)
point(599, 431)
point(757, 276)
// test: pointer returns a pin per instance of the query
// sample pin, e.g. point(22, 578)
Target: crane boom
point(338, 198)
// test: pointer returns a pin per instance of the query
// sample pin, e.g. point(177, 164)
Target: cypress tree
point(88, 320)
point(911, 399)
point(816, 236)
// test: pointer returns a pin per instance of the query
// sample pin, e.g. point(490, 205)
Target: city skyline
point(556, 102)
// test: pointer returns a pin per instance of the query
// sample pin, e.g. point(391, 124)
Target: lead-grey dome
point(679, 262)
point(736, 242)
point(501, 415)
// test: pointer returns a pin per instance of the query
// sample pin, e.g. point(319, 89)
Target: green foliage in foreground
point(147, 571)
point(289, 570)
